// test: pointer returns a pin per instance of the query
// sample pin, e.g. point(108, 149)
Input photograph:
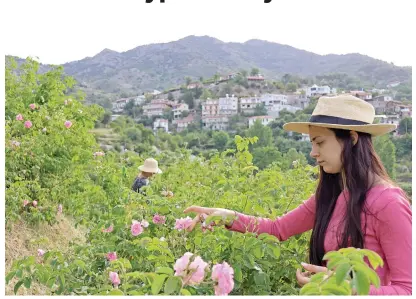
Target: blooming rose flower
point(158, 219)
point(111, 256)
point(28, 124)
point(192, 273)
point(223, 274)
point(115, 280)
point(32, 106)
point(136, 228)
point(41, 252)
point(183, 223)
point(19, 117)
point(68, 124)
point(144, 223)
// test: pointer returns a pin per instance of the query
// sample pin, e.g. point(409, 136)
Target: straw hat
point(150, 165)
point(342, 112)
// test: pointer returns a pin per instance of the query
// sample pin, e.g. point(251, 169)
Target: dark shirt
point(138, 183)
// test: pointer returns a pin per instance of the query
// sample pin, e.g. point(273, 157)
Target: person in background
point(147, 170)
point(355, 204)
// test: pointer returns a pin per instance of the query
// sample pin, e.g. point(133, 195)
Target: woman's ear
point(354, 137)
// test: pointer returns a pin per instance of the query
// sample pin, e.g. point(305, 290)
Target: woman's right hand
point(209, 212)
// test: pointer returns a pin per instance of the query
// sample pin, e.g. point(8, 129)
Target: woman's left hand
point(304, 277)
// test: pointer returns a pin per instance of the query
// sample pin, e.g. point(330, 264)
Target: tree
point(220, 140)
point(405, 126)
point(262, 132)
point(254, 71)
point(206, 94)
point(292, 87)
point(265, 156)
point(171, 97)
point(188, 80)
point(387, 151)
point(260, 110)
point(106, 118)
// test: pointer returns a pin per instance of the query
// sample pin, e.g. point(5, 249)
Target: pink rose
point(28, 124)
point(68, 124)
point(111, 256)
point(108, 230)
point(41, 252)
point(25, 202)
point(19, 117)
point(32, 106)
point(223, 274)
point(115, 280)
point(144, 223)
point(158, 219)
point(136, 228)
point(192, 273)
point(183, 223)
point(34, 203)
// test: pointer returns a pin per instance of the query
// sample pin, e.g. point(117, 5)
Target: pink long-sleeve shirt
point(388, 232)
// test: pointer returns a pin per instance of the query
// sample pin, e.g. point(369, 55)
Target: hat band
point(335, 120)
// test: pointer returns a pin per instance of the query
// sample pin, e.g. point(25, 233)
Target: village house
point(157, 107)
point(215, 122)
point(118, 106)
point(182, 124)
point(363, 95)
point(258, 78)
point(273, 99)
point(178, 109)
point(264, 120)
point(248, 105)
point(161, 123)
point(316, 90)
point(298, 100)
point(228, 105)
point(209, 107)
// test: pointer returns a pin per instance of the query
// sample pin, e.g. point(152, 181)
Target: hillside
point(160, 66)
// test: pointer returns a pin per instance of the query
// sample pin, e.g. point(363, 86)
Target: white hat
point(342, 112)
point(150, 165)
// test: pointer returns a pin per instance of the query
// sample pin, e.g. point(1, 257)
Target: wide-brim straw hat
point(150, 165)
point(342, 112)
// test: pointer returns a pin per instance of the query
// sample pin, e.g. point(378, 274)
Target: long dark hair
point(357, 161)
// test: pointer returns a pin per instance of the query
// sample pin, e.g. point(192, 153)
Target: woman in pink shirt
point(355, 204)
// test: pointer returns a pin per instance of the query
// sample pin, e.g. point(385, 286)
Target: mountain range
point(165, 65)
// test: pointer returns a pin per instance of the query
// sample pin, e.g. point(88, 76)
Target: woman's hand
point(209, 212)
point(304, 277)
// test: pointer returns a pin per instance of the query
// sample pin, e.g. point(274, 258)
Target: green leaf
point(362, 284)
point(158, 283)
point(331, 255)
point(374, 259)
point(275, 249)
point(335, 262)
point(370, 273)
point(172, 285)
point(164, 270)
point(258, 252)
point(318, 277)
point(19, 273)
point(341, 272)
point(238, 274)
point(17, 286)
point(27, 282)
point(310, 288)
point(80, 264)
point(185, 292)
point(260, 278)
point(10, 276)
point(116, 292)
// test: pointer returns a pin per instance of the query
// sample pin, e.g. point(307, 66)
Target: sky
point(60, 31)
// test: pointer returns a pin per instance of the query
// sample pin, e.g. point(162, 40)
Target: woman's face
point(326, 149)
